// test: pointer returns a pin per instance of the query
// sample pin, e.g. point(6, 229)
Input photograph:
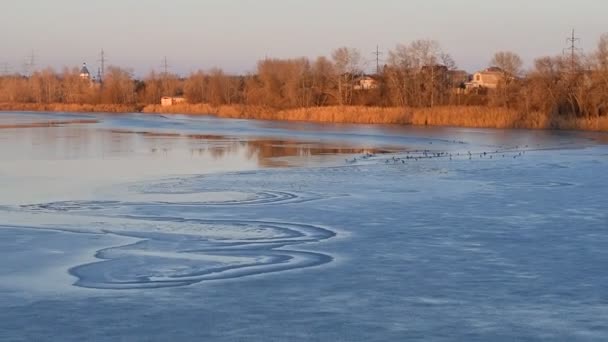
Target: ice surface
point(385, 248)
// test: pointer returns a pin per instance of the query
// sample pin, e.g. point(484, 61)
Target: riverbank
point(70, 108)
point(460, 116)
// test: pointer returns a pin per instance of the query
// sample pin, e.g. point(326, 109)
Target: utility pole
point(30, 63)
point(165, 66)
point(165, 77)
point(572, 49)
point(102, 60)
point(377, 53)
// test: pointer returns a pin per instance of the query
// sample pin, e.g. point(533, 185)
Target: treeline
point(416, 75)
point(68, 87)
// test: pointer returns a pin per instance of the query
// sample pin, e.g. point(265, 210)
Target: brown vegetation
point(463, 116)
point(70, 107)
point(333, 114)
point(419, 85)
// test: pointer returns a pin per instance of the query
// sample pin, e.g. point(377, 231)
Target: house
point(489, 79)
point(366, 82)
point(167, 101)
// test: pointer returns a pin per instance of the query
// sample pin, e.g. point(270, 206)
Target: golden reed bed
point(462, 116)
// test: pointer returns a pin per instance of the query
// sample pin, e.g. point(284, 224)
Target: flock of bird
point(416, 155)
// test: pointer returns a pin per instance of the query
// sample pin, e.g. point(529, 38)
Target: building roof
point(492, 70)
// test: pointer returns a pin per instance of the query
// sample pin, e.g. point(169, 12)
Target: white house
point(489, 78)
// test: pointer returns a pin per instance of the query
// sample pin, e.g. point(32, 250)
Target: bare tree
point(511, 66)
point(348, 65)
point(75, 89)
point(322, 74)
point(119, 86)
point(601, 54)
point(195, 88)
point(418, 74)
point(219, 88)
point(509, 62)
point(600, 77)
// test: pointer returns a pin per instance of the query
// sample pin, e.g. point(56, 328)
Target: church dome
point(84, 70)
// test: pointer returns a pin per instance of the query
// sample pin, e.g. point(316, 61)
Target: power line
point(572, 49)
point(165, 66)
point(30, 63)
point(377, 53)
point(102, 59)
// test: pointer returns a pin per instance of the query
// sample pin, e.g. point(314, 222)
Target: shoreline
point(446, 116)
point(70, 108)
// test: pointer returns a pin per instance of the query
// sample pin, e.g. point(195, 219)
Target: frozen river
point(157, 228)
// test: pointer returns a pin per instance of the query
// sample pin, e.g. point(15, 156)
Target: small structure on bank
point(366, 82)
point(167, 101)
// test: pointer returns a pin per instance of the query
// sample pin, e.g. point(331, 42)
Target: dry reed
point(462, 116)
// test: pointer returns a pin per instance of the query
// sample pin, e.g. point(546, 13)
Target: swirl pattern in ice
point(173, 243)
point(206, 200)
point(202, 250)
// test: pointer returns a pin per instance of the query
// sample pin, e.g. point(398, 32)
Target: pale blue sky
point(234, 34)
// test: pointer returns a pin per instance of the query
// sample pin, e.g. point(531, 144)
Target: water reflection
point(41, 161)
point(417, 137)
point(78, 140)
point(266, 152)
